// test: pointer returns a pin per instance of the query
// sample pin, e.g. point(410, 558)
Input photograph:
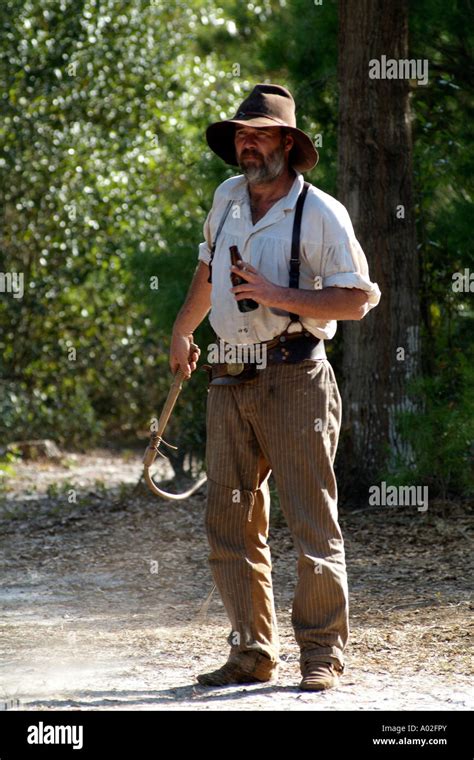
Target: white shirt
point(330, 255)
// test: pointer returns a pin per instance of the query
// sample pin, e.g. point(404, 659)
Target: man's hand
point(257, 286)
point(325, 304)
point(184, 354)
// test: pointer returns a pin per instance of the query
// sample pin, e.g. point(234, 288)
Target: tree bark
point(380, 353)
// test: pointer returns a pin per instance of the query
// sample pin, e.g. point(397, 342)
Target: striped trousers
point(285, 421)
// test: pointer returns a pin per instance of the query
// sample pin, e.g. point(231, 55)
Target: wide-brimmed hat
point(268, 105)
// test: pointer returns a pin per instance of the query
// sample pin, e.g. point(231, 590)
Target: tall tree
point(381, 353)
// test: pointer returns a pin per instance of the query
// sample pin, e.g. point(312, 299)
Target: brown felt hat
point(268, 105)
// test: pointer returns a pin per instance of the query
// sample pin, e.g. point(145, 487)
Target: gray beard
point(270, 169)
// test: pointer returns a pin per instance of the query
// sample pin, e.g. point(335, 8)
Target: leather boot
point(318, 676)
point(242, 667)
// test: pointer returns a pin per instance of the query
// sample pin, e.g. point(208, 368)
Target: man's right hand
point(184, 354)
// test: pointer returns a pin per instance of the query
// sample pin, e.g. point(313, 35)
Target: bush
point(441, 435)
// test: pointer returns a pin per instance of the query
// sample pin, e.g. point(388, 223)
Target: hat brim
point(220, 138)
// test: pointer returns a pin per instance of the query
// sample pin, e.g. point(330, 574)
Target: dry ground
point(102, 601)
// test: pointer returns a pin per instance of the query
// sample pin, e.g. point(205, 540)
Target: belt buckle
point(234, 368)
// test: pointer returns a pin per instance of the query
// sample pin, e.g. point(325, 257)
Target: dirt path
point(102, 601)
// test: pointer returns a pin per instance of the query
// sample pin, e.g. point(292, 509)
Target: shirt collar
point(240, 192)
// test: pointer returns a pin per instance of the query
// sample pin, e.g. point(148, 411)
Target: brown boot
point(243, 667)
point(318, 676)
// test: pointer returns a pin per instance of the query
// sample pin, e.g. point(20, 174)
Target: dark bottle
point(247, 304)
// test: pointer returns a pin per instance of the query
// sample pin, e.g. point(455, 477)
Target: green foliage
point(300, 49)
point(7, 469)
point(444, 166)
point(106, 180)
point(102, 188)
point(441, 433)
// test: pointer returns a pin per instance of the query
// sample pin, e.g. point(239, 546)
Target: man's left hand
point(257, 287)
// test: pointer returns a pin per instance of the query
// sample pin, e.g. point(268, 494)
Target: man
point(283, 416)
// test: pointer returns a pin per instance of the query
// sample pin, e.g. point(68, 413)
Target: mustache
point(250, 153)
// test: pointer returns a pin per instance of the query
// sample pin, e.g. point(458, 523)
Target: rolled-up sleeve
point(345, 266)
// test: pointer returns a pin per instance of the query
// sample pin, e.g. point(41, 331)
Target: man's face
point(262, 153)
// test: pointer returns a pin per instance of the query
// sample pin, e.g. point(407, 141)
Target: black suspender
point(295, 242)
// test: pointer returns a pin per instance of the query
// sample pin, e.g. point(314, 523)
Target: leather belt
point(288, 348)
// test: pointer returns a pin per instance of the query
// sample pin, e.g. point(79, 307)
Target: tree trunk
point(381, 353)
